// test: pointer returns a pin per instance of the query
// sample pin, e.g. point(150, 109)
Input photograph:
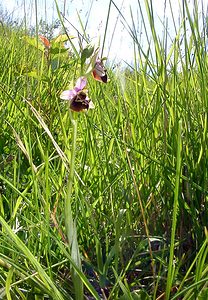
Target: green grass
point(112, 203)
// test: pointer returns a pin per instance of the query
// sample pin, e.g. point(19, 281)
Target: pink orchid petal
point(99, 69)
point(80, 84)
point(68, 95)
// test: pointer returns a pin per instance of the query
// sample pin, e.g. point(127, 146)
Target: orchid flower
point(99, 72)
point(78, 98)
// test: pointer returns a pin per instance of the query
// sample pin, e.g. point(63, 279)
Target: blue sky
point(118, 42)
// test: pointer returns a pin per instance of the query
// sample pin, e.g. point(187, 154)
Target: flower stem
point(69, 224)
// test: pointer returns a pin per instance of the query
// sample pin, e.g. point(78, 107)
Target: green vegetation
point(112, 203)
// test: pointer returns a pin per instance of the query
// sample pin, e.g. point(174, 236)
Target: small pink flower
point(78, 98)
point(99, 72)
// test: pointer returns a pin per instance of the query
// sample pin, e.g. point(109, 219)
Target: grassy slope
point(135, 166)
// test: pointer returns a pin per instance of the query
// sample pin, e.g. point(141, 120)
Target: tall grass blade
point(171, 268)
point(50, 286)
